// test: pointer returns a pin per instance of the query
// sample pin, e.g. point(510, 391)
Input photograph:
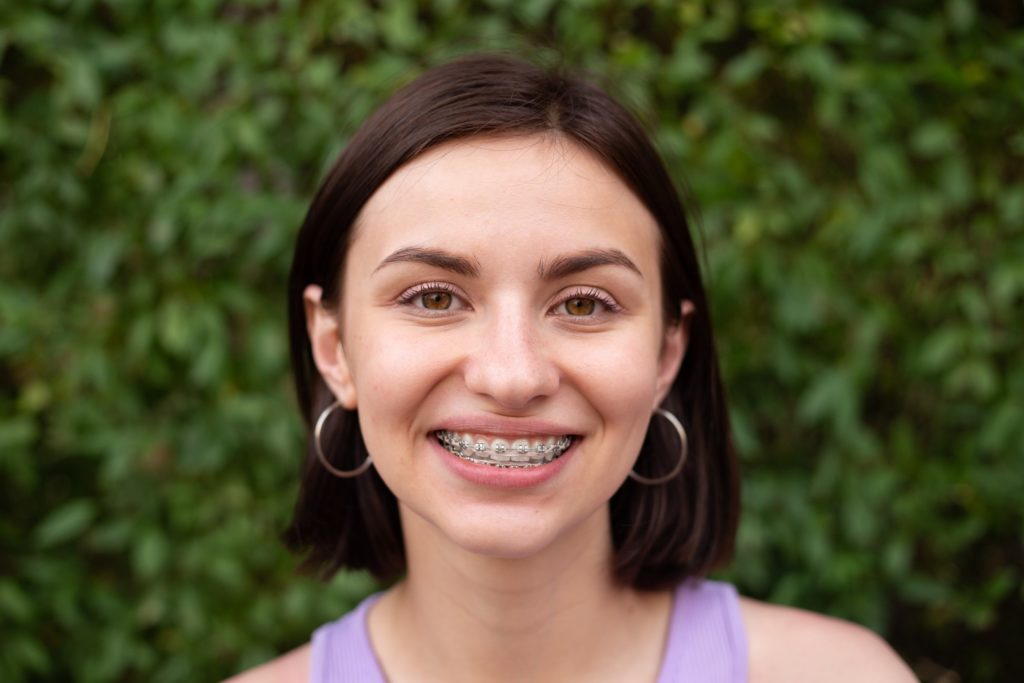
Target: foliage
point(858, 171)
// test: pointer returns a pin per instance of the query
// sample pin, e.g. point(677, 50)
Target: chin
point(511, 532)
point(514, 545)
point(506, 534)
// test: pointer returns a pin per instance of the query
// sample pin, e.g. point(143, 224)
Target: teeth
point(500, 452)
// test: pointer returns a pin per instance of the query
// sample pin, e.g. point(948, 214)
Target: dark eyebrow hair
point(433, 257)
point(585, 260)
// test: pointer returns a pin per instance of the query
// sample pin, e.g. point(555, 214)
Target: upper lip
point(504, 426)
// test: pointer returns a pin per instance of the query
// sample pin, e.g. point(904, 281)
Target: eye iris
point(579, 306)
point(437, 301)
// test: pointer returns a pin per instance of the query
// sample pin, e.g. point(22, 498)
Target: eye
point(580, 306)
point(432, 298)
point(586, 305)
point(436, 301)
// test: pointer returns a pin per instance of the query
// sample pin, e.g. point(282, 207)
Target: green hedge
point(859, 177)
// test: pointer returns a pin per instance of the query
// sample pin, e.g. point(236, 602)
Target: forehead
point(524, 194)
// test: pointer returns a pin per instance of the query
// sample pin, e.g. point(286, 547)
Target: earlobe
point(673, 351)
point(324, 330)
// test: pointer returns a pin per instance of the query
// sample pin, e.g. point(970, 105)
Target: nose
point(509, 363)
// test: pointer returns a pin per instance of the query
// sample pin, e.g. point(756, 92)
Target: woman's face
point(501, 335)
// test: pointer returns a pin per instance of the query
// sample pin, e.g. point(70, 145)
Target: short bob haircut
point(662, 534)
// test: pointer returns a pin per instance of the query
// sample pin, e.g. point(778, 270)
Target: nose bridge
point(509, 362)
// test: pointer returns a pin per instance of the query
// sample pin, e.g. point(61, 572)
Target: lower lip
point(503, 477)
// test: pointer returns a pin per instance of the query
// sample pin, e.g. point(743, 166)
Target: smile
point(515, 453)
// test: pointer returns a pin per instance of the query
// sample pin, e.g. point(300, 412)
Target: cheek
point(620, 372)
point(394, 371)
point(618, 381)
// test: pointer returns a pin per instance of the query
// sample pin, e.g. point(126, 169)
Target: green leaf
point(65, 523)
point(150, 554)
point(14, 603)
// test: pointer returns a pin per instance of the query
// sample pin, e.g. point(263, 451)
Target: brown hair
point(661, 534)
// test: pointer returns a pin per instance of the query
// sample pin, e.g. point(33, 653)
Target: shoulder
point(793, 645)
point(291, 667)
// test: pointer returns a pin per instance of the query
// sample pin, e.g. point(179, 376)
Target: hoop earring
point(683, 449)
point(344, 474)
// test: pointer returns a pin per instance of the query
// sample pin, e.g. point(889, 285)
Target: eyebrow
point(572, 264)
point(437, 258)
point(562, 266)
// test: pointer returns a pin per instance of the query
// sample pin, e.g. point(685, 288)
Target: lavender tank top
point(706, 641)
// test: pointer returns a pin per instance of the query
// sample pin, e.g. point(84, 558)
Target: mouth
point(505, 453)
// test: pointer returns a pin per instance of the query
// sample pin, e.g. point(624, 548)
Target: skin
point(505, 341)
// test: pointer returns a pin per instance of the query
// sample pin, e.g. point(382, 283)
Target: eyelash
point(590, 293)
point(409, 297)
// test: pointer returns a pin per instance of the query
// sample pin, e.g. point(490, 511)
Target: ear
point(673, 349)
point(324, 329)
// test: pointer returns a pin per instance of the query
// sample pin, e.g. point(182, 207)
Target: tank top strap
point(707, 641)
point(341, 650)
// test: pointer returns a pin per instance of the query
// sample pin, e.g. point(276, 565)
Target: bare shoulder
point(291, 667)
point(793, 645)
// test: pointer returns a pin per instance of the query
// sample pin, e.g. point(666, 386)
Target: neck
point(465, 616)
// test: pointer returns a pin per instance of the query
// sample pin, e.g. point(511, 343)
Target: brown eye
point(579, 306)
point(437, 301)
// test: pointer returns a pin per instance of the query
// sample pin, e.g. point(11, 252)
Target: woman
point(502, 347)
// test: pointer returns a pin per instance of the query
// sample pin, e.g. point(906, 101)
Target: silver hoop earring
point(683, 448)
point(344, 474)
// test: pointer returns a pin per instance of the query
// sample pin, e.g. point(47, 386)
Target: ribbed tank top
point(706, 641)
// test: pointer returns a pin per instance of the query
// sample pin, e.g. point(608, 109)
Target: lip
point(503, 478)
point(503, 426)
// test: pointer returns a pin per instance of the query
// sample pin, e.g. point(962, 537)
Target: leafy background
point(858, 168)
